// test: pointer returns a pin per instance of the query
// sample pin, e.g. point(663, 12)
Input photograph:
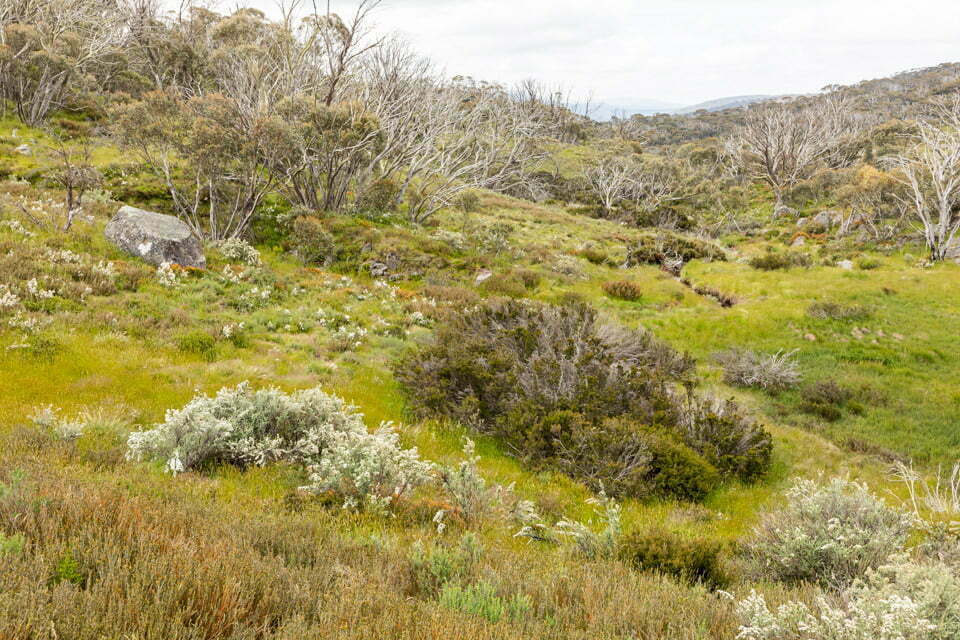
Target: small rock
point(898, 337)
point(827, 218)
point(799, 241)
point(802, 222)
point(810, 337)
point(484, 275)
point(783, 211)
point(379, 270)
point(24, 150)
point(846, 265)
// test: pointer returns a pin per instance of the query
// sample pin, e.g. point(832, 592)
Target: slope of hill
point(111, 545)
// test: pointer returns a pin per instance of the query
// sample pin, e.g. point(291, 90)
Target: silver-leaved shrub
point(900, 601)
point(829, 534)
point(247, 427)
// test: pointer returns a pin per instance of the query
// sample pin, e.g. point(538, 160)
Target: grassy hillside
point(115, 548)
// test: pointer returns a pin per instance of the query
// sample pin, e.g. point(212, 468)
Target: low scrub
point(623, 290)
point(695, 560)
point(770, 372)
point(774, 261)
point(838, 311)
point(568, 391)
point(828, 400)
point(903, 600)
point(830, 534)
point(669, 250)
point(243, 427)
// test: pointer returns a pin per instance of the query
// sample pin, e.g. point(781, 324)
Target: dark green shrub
point(695, 560)
point(827, 399)
point(623, 290)
point(594, 400)
point(677, 471)
point(544, 378)
point(773, 261)
point(659, 249)
point(380, 197)
point(312, 242)
point(725, 436)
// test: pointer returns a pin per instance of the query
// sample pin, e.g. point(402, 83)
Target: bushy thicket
point(773, 261)
point(598, 401)
point(831, 534)
point(244, 427)
point(667, 249)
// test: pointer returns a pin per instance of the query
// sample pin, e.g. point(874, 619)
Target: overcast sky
point(630, 52)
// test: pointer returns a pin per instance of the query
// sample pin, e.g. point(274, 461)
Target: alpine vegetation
point(831, 534)
point(244, 427)
point(903, 600)
point(599, 401)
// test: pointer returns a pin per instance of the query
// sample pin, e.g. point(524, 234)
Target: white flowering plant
point(237, 250)
point(903, 600)
point(247, 427)
point(167, 276)
point(830, 533)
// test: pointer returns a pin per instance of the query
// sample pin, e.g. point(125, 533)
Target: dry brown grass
point(113, 554)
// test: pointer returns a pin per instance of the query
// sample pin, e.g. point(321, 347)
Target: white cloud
point(684, 51)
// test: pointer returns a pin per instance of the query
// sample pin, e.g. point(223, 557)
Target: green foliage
point(623, 290)
point(692, 559)
point(663, 248)
point(727, 438)
point(198, 343)
point(481, 599)
point(312, 242)
point(431, 569)
point(565, 391)
point(773, 260)
point(504, 284)
point(68, 569)
point(594, 256)
point(592, 400)
point(827, 399)
point(11, 545)
point(675, 470)
point(838, 311)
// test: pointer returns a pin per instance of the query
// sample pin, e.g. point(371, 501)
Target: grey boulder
point(155, 237)
point(827, 218)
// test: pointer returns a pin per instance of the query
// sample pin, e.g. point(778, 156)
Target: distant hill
point(642, 107)
point(656, 107)
point(723, 103)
